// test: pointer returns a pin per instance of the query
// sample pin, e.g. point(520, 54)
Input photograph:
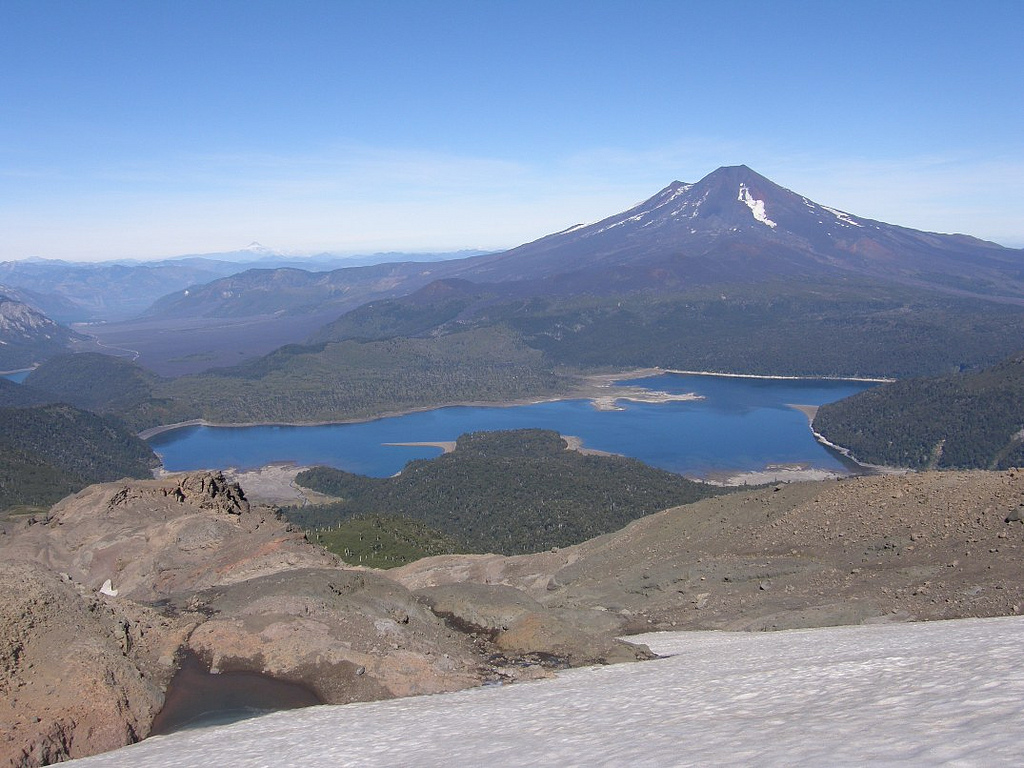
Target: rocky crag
point(103, 598)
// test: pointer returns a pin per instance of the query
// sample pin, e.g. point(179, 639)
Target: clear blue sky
point(144, 128)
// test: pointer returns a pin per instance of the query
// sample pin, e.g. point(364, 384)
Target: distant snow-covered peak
point(260, 249)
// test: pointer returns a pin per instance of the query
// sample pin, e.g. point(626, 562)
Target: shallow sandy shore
point(447, 446)
point(810, 411)
point(640, 395)
point(574, 443)
point(773, 473)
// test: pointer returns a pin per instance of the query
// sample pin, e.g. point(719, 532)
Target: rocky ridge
point(106, 595)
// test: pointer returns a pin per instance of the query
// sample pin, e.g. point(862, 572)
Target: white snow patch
point(573, 228)
point(843, 217)
point(927, 693)
point(661, 203)
point(108, 589)
point(756, 206)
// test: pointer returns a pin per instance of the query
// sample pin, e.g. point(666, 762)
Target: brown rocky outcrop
point(155, 538)
point(347, 635)
point(104, 596)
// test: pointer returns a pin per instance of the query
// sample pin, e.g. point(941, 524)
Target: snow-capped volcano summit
point(735, 225)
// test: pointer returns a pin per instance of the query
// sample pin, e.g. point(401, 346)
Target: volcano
point(735, 225)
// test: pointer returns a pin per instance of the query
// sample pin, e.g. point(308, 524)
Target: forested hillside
point(307, 383)
point(848, 328)
point(969, 420)
point(506, 492)
point(111, 386)
point(21, 395)
point(820, 327)
point(49, 451)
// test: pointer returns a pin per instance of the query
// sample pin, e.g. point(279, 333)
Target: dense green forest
point(111, 386)
point(853, 327)
point(967, 420)
point(857, 329)
point(308, 383)
point(49, 451)
point(507, 492)
point(383, 541)
point(21, 395)
point(366, 378)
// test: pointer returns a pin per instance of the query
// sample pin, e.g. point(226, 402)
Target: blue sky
point(145, 129)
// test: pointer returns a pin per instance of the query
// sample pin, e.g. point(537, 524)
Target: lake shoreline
point(605, 392)
point(586, 391)
point(592, 388)
point(810, 411)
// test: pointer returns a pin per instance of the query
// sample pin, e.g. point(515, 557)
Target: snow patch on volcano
point(756, 206)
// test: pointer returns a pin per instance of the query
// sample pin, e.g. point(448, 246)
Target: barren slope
point(922, 546)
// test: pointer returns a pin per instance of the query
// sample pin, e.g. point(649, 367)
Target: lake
point(740, 425)
point(17, 376)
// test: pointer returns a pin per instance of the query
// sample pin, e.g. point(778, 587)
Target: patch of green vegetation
point(29, 479)
point(506, 492)
point(21, 395)
point(964, 420)
point(49, 451)
point(380, 541)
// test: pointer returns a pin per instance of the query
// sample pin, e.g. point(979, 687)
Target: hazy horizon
point(149, 131)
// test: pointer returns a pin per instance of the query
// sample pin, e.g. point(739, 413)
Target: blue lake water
point(742, 424)
point(17, 376)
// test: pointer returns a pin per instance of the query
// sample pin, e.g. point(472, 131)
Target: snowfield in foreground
point(948, 692)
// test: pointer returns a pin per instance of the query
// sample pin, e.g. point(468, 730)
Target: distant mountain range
point(733, 273)
point(115, 290)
